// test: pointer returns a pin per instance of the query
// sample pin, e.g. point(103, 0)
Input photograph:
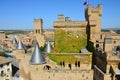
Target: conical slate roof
point(20, 45)
point(48, 47)
point(37, 57)
point(14, 41)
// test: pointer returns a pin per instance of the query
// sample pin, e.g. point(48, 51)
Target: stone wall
point(100, 75)
point(2, 35)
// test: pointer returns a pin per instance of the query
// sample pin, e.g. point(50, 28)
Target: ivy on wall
point(69, 41)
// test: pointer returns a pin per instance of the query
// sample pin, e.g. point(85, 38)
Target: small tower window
point(70, 66)
point(36, 31)
point(63, 63)
point(78, 63)
point(114, 42)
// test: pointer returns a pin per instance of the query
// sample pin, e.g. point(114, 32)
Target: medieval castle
point(75, 50)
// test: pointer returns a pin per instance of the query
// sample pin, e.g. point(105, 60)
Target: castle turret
point(48, 47)
point(37, 57)
point(38, 26)
point(14, 41)
point(20, 45)
point(93, 16)
point(38, 31)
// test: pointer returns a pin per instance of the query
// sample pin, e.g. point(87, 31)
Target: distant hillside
point(107, 30)
point(16, 31)
point(117, 31)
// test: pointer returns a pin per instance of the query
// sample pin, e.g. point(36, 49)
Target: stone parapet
point(98, 10)
point(60, 24)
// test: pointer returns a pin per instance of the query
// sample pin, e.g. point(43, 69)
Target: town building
point(5, 69)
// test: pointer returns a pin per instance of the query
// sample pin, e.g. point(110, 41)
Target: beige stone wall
point(59, 24)
point(49, 35)
point(59, 75)
point(18, 54)
point(36, 72)
point(100, 75)
point(69, 25)
point(24, 67)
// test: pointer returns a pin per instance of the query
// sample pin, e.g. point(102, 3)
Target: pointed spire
point(37, 57)
point(14, 41)
point(20, 45)
point(48, 47)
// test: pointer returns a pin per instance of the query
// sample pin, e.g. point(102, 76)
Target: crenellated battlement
point(38, 20)
point(67, 22)
point(97, 10)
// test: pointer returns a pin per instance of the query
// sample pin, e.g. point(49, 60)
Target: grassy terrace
point(70, 58)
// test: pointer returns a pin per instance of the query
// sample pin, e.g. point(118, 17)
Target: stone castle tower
point(38, 31)
point(93, 16)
